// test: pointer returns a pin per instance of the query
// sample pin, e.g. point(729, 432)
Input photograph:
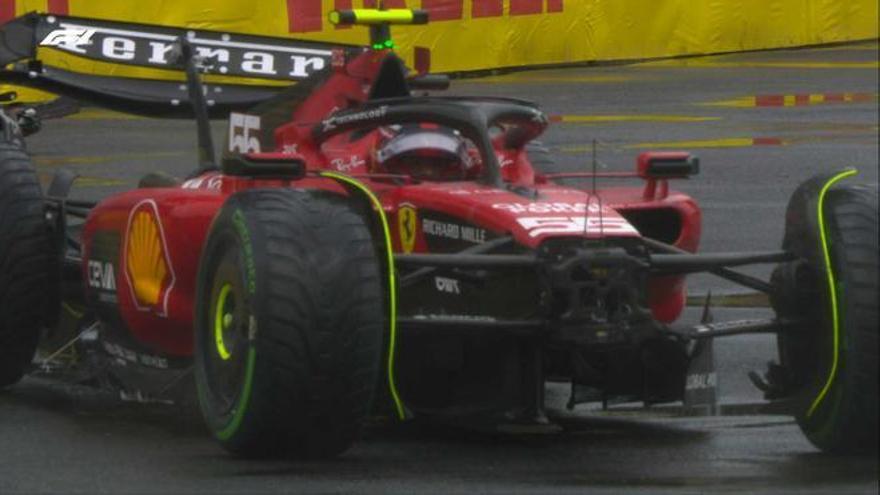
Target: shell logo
point(147, 266)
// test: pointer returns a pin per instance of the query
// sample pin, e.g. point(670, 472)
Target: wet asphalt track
point(815, 110)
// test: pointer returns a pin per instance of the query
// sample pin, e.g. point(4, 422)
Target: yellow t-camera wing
point(379, 22)
point(376, 16)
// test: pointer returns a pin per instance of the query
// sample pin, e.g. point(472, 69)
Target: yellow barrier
point(469, 35)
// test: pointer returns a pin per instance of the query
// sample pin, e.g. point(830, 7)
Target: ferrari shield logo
point(407, 219)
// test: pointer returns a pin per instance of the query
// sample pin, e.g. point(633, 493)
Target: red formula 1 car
point(358, 242)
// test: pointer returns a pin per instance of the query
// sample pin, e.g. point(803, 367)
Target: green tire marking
point(220, 321)
point(238, 221)
point(234, 424)
point(832, 290)
point(392, 284)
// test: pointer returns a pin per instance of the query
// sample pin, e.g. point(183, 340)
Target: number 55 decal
point(243, 130)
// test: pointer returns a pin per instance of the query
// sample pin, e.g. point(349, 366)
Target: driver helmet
point(424, 153)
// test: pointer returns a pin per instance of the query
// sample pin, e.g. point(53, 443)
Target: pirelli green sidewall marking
point(238, 414)
point(250, 267)
point(392, 285)
point(832, 291)
point(232, 427)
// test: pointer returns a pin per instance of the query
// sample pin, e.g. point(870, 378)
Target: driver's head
point(434, 153)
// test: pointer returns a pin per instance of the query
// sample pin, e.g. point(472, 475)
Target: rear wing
point(242, 70)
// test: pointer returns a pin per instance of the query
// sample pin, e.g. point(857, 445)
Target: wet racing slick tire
point(289, 324)
point(25, 253)
point(845, 420)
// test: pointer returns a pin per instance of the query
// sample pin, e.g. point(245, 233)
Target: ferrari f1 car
point(359, 245)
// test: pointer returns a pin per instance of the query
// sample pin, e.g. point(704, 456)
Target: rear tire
point(845, 421)
point(25, 254)
point(289, 324)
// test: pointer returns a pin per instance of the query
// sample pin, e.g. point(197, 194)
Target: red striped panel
point(369, 4)
point(767, 141)
point(526, 7)
point(443, 10)
point(770, 100)
point(7, 10)
point(60, 7)
point(487, 8)
point(862, 97)
point(801, 100)
point(554, 6)
point(304, 16)
point(395, 4)
point(834, 97)
point(422, 59)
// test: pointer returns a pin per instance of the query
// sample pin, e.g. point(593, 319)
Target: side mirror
point(667, 165)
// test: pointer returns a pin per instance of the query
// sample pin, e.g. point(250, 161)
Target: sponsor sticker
point(126, 355)
point(547, 207)
point(459, 317)
point(463, 191)
point(700, 381)
point(539, 117)
point(102, 275)
point(538, 226)
point(147, 266)
point(447, 285)
point(338, 58)
point(407, 220)
point(454, 231)
point(211, 182)
point(243, 131)
point(72, 39)
point(102, 266)
point(348, 165)
point(234, 55)
point(347, 118)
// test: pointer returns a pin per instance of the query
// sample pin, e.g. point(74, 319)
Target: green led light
point(383, 45)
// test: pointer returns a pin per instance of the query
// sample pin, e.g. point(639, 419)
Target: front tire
point(289, 324)
point(845, 420)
